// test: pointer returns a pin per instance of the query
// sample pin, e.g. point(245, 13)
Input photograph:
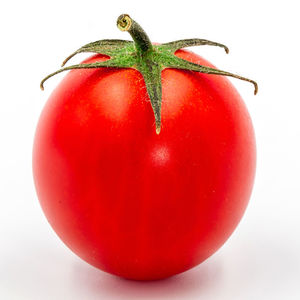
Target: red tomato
point(129, 201)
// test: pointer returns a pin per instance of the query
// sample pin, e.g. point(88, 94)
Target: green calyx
point(148, 59)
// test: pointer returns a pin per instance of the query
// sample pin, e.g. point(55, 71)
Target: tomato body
point(129, 201)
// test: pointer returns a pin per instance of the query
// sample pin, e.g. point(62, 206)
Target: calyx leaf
point(148, 59)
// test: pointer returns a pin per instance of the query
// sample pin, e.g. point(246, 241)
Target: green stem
point(148, 59)
point(141, 39)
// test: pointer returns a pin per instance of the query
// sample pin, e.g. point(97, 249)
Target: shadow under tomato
point(196, 281)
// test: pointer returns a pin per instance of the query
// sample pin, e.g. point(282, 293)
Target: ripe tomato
point(129, 201)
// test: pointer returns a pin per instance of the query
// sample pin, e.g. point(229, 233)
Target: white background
point(262, 258)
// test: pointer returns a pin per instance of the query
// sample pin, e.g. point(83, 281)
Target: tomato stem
point(148, 59)
point(141, 39)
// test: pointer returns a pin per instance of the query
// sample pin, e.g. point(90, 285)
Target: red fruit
point(129, 201)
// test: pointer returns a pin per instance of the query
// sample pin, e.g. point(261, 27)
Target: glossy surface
point(128, 201)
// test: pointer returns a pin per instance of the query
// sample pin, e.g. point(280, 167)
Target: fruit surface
point(129, 201)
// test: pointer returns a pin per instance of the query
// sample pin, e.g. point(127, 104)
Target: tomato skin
point(131, 202)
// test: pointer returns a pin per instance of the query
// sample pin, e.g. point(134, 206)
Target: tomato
point(131, 202)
